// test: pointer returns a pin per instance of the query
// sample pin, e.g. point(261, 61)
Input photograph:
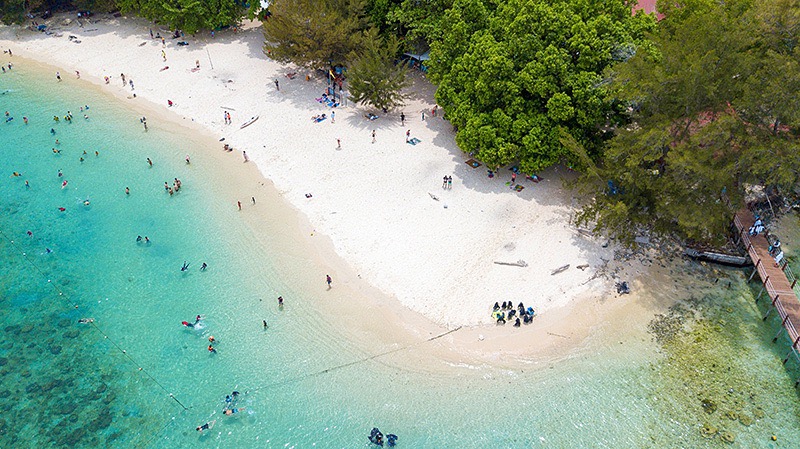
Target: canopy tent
point(423, 57)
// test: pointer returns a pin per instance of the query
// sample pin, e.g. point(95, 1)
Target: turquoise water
point(304, 383)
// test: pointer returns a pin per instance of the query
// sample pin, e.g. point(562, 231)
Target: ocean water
point(136, 377)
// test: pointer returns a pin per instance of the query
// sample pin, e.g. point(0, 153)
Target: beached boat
point(249, 122)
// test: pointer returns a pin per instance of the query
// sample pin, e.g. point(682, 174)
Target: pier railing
point(778, 280)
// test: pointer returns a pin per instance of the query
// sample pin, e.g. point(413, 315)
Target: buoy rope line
point(124, 352)
point(315, 374)
point(90, 323)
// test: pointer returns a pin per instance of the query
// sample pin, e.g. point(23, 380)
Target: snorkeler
point(206, 426)
point(86, 320)
point(185, 267)
point(203, 267)
point(231, 411)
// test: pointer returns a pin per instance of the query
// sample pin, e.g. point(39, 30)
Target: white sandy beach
point(374, 201)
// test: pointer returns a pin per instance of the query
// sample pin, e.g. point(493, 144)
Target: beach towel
point(519, 188)
point(319, 119)
point(372, 117)
point(473, 163)
point(414, 141)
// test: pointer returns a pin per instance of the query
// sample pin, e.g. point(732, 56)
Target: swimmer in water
point(185, 267)
point(264, 322)
point(138, 238)
point(187, 160)
point(57, 142)
point(127, 191)
point(187, 324)
point(146, 239)
point(211, 339)
point(16, 174)
point(64, 184)
point(211, 349)
point(62, 209)
point(26, 183)
point(203, 267)
point(52, 131)
point(86, 320)
point(56, 151)
point(59, 173)
point(206, 426)
point(231, 411)
point(149, 162)
point(86, 202)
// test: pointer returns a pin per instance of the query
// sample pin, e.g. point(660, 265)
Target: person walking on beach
point(373, 136)
point(513, 178)
point(58, 76)
point(449, 182)
point(150, 162)
point(423, 116)
point(9, 52)
point(333, 116)
point(402, 119)
point(164, 55)
point(78, 74)
point(328, 280)
point(408, 135)
point(151, 33)
point(197, 63)
point(280, 301)
point(338, 144)
point(246, 159)
point(277, 86)
point(444, 182)
point(254, 200)
point(122, 75)
point(239, 203)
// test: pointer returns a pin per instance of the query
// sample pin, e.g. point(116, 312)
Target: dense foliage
point(511, 74)
point(314, 33)
point(713, 110)
point(375, 79)
point(187, 15)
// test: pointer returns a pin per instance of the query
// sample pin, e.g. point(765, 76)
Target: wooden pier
point(778, 281)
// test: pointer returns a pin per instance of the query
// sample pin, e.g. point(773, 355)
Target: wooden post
point(767, 315)
point(760, 293)
point(780, 330)
point(794, 282)
point(787, 357)
point(796, 340)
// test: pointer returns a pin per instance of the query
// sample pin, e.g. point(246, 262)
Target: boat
point(249, 122)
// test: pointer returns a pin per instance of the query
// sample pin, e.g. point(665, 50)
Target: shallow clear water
point(303, 383)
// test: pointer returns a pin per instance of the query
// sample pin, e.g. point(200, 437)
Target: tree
point(187, 15)
point(374, 78)
point(511, 74)
point(707, 120)
point(313, 33)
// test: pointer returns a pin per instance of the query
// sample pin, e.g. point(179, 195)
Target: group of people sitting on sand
point(522, 314)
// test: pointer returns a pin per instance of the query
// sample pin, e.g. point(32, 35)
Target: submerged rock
point(72, 333)
point(708, 406)
point(727, 436)
point(708, 431)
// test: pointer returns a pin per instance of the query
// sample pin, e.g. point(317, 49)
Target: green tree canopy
point(314, 33)
point(511, 74)
point(187, 15)
point(374, 78)
point(712, 111)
